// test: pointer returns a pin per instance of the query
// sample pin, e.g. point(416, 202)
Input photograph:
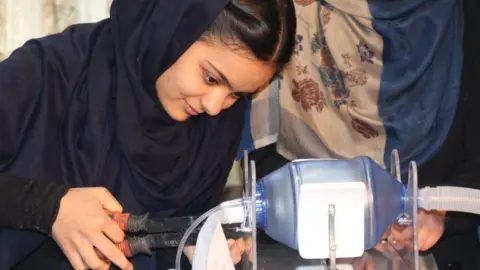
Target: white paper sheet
point(211, 251)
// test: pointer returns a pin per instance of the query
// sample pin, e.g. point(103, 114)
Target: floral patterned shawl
point(368, 76)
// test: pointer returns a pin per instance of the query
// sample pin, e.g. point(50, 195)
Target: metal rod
point(331, 236)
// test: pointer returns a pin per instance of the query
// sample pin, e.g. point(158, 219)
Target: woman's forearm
point(29, 204)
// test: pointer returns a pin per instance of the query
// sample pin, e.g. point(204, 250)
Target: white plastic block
point(349, 199)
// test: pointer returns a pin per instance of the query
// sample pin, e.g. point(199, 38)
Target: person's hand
point(431, 225)
point(239, 247)
point(82, 225)
point(366, 262)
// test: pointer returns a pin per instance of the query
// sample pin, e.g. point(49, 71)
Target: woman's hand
point(431, 225)
point(82, 226)
point(366, 262)
point(239, 247)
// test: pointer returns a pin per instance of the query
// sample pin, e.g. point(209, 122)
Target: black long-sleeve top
point(28, 204)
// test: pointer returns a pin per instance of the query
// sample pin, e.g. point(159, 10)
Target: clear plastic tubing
point(456, 199)
point(222, 207)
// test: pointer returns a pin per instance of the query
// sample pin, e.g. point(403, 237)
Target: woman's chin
point(179, 116)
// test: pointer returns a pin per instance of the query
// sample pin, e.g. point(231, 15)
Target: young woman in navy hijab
point(141, 112)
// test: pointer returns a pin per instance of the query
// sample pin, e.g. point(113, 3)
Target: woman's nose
point(212, 103)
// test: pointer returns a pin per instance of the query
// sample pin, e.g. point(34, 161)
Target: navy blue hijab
point(80, 108)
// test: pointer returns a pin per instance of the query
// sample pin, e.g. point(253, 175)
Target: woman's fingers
point(89, 256)
point(237, 248)
point(400, 233)
point(112, 230)
point(72, 255)
point(363, 263)
point(230, 242)
point(371, 264)
point(189, 251)
point(249, 248)
point(107, 200)
point(110, 251)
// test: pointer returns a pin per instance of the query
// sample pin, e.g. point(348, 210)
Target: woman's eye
point(240, 95)
point(236, 95)
point(210, 80)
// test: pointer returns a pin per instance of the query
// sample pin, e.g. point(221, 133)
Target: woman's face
point(208, 78)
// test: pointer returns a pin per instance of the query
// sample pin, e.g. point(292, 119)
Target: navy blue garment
point(80, 108)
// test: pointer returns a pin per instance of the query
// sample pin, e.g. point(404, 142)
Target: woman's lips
point(190, 110)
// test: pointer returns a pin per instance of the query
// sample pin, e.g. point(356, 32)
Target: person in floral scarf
point(371, 76)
